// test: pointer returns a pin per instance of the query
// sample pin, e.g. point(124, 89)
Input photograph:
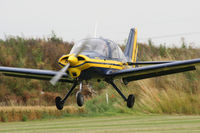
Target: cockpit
point(99, 48)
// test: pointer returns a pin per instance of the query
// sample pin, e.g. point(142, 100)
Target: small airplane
point(102, 60)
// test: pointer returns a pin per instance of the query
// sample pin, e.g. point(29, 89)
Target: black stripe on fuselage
point(92, 62)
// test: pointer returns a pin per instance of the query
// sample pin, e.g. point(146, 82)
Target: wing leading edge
point(132, 74)
point(148, 62)
point(32, 73)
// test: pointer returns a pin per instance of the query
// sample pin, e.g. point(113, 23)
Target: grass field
point(110, 124)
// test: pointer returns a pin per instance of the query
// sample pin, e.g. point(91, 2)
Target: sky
point(164, 21)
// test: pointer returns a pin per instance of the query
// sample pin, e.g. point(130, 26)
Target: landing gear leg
point(131, 98)
point(59, 102)
point(79, 96)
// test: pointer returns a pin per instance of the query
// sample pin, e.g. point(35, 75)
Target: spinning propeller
point(72, 60)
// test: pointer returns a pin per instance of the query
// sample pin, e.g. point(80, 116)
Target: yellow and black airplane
point(102, 59)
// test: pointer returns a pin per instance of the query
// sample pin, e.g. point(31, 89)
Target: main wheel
point(130, 101)
point(59, 103)
point(80, 99)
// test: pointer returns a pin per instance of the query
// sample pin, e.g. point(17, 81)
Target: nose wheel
point(79, 96)
point(80, 99)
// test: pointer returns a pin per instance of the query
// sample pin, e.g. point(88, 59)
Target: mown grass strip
point(108, 124)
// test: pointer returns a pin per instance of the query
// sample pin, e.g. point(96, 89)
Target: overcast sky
point(75, 19)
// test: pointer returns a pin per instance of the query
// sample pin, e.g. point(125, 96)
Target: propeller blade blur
point(80, 49)
point(59, 74)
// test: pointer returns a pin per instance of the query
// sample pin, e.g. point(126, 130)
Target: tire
point(59, 104)
point(130, 101)
point(80, 99)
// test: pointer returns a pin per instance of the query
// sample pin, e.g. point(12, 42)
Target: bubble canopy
point(99, 48)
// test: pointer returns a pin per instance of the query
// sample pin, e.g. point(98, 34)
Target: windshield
point(101, 48)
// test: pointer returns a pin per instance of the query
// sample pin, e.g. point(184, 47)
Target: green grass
point(111, 124)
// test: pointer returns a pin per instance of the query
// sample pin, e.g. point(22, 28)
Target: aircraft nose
point(72, 60)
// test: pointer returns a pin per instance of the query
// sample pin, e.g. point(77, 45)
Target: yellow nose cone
point(74, 72)
point(72, 60)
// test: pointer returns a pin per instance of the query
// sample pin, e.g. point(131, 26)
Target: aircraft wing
point(132, 74)
point(148, 62)
point(32, 73)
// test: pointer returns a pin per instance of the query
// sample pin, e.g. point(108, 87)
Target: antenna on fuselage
point(95, 30)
